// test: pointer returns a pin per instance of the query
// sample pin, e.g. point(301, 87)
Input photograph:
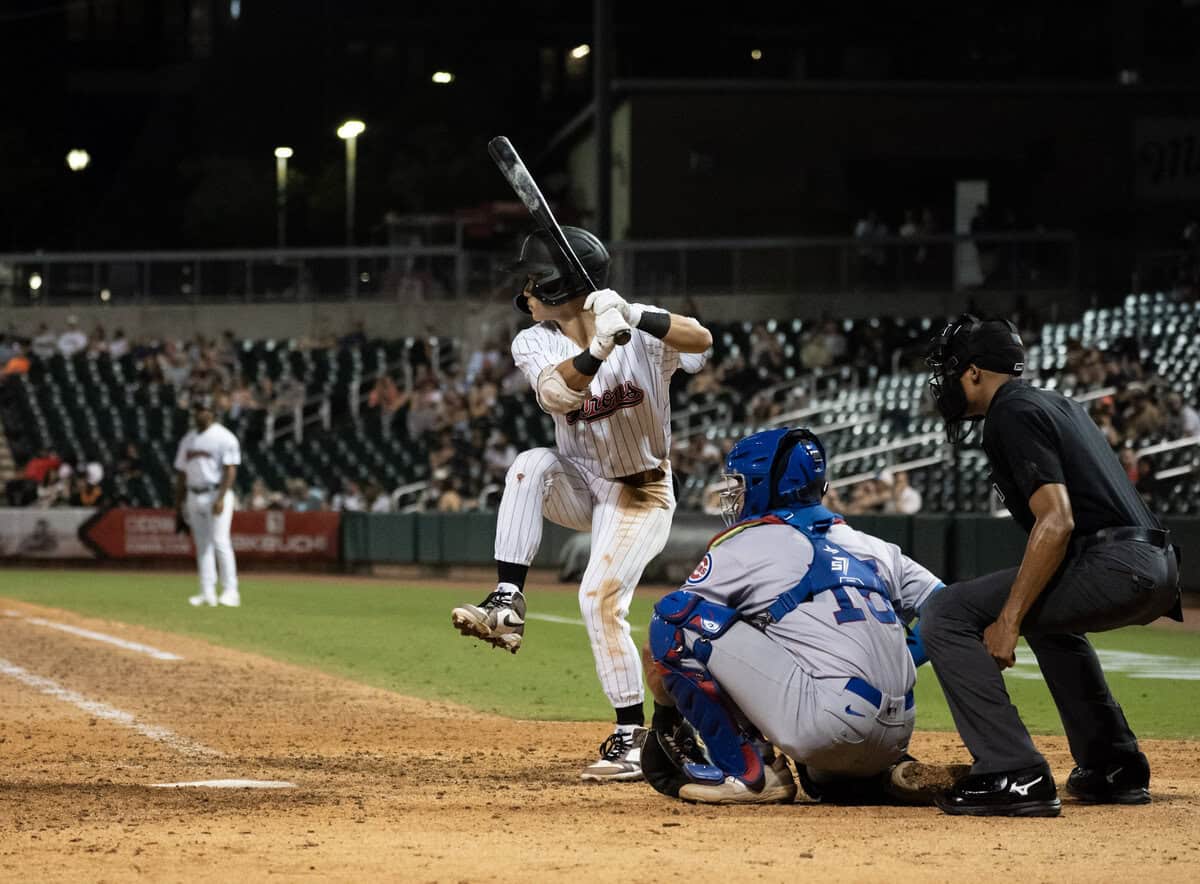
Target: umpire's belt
point(202, 489)
point(1153, 536)
point(645, 477)
point(873, 695)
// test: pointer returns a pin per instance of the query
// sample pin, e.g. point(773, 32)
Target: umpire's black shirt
point(1035, 437)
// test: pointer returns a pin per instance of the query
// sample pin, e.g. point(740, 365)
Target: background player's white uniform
point(202, 458)
point(790, 679)
point(609, 475)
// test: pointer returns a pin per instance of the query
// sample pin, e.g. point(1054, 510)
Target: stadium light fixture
point(583, 50)
point(756, 54)
point(105, 295)
point(443, 78)
point(283, 153)
point(78, 159)
point(351, 129)
point(35, 281)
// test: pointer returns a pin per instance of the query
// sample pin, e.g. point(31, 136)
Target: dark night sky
point(180, 102)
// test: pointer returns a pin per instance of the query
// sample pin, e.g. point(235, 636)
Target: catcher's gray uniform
point(835, 696)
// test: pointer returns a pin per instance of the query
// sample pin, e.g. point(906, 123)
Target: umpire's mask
point(991, 344)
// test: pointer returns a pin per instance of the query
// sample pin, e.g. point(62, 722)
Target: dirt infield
point(393, 788)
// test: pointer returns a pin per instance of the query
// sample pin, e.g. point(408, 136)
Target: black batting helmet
point(554, 282)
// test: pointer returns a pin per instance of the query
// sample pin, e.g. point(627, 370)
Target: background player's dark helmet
point(772, 470)
point(554, 282)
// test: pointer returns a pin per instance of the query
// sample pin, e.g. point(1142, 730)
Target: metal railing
point(1044, 261)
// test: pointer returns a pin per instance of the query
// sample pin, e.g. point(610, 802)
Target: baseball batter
point(205, 467)
point(792, 625)
point(608, 475)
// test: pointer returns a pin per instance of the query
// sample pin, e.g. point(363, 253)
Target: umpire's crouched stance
point(1096, 559)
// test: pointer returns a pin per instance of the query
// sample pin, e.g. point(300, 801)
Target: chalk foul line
point(136, 647)
point(163, 735)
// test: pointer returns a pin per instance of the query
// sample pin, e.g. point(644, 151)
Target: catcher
point(791, 631)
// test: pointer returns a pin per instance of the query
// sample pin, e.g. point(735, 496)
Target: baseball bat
point(504, 155)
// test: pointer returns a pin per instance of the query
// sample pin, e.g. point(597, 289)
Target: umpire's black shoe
point(1124, 780)
point(1026, 792)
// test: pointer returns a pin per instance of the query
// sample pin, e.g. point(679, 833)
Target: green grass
point(398, 636)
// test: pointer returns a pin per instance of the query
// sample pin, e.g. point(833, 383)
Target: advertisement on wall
point(257, 536)
point(43, 534)
point(270, 535)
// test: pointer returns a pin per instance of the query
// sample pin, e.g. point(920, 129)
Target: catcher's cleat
point(778, 788)
point(1124, 780)
point(1029, 791)
point(620, 757)
point(498, 620)
point(912, 782)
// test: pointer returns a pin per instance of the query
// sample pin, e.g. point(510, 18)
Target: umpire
point(1096, 559)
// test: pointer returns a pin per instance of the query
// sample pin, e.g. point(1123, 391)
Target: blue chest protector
point(832, 570)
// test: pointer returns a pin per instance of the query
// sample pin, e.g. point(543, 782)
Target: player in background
point(608, 475)
point(205, 467)
point(792, 628)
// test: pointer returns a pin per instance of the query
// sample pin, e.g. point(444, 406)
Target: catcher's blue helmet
point(773, 469)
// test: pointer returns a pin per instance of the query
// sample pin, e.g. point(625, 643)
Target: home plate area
point(222, 765)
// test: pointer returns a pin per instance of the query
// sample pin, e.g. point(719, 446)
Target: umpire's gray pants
point(814, 721)
point(1109, 585)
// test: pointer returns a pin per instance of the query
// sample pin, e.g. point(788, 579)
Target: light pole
point(349, 132)
point(282, 155)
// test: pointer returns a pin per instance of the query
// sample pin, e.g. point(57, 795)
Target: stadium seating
point(871, 417)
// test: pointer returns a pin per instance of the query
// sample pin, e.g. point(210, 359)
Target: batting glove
point(608, 324)
point(603, 300)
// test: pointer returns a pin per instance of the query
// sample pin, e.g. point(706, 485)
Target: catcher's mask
point(991, 344)
point(772, 469)
point(554, 281)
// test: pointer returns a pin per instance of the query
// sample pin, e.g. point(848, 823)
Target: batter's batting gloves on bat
point(606, 299)
point(608, 324)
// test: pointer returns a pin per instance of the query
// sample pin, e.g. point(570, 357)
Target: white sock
point(507, 587)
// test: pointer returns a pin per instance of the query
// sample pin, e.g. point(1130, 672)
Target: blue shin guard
point(697, 695)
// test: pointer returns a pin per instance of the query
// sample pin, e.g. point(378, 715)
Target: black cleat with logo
point(1026, 792)
point(1124, 780)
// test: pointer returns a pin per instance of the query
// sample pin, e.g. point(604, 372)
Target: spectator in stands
point(814, 351)
point(902, 497)
point(73, 340)
point(57, 487)
point(174, 365)
point(872, 258)
point(349, 499)
point(1128, 458)
point(1142, 418)
point(423, 406)
point(1182, 419)
point(16, 362)
point(449, 500)
point(85, 494)
point(498, 456)
point(385, 395)
point(119, 345)
point(297, 494)
point(482, 394)
point(23, 491)
point(260, 497)
point(98, 342)
point(129, 464)
point(1102, 414)
point(375, 499)
point(44, 342)
point(1147, 481)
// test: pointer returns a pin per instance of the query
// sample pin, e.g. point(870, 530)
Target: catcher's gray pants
point(1109, 585)
point(814, 721)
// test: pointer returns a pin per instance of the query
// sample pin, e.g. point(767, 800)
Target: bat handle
point(622, 338)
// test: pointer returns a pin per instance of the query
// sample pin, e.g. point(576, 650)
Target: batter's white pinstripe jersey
point(625, 425)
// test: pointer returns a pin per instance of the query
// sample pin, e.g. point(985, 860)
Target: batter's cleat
point(498, 620)
point(230, 599)
point(1124, 780)
point(198, 601)
point(620, 757)
point(1029, 791)
point(778, 788)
